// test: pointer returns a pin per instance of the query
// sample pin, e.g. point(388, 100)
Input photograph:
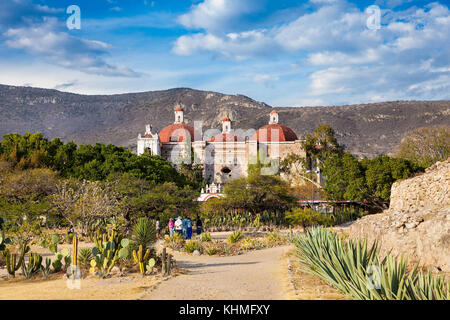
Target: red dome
point(179, 109)
point(148, 135)
point(176, 132)
point(226, 137)
point(226, 119)
point(264, 134)
point(274, 111)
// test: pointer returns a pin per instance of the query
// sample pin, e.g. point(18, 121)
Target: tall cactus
point(33, 266)
point(75, 250)
point(140, 258)
point(12, 264)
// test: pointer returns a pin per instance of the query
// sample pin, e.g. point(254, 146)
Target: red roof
point(176, 132)
point(179, 109)
point(274, 111)
point(148, 135)
point(269, 133)
point(226, 119)
point(226, 137)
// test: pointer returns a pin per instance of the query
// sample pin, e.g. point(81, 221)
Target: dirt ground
point(257, 275)
point(56, 288)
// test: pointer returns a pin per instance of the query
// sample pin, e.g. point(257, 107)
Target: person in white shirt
point(179, 225)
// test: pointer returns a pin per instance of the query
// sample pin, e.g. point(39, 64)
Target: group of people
point(183, 227)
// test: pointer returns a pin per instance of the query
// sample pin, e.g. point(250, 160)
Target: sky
point(281, 52)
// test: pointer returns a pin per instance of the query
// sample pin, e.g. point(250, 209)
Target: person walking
point(179, 226)
point(189, 225)
point(171, 227)
point(158, 228)
point(184, 227)
point(199, 225)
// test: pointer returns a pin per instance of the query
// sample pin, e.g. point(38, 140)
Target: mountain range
point(365, 130)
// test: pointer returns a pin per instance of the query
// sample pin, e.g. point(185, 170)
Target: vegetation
point(425, 146)
point(235, 237)
point(144, 233)
point(367, 180)
point(357, 271)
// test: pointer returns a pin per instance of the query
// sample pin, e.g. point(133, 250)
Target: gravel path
point(257, 275)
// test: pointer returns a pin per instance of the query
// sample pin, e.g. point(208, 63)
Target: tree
point(258, 193)
point(344, 178)
point(426, 146)
point(324, 136)
point(83, 204)
point(25, 193)
point(368, 180)
point(380, 173)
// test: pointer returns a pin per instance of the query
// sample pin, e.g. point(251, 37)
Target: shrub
point(191, 246)
point(85, 257)
point(211, 250)
point(307, 217)
point(251, 244)
point(205, 237)
point(175, 242)
point(144, 233)
point(235, 237)
point(275, 239)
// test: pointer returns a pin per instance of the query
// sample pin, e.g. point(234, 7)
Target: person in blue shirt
point(184, 228)
point(189, 224)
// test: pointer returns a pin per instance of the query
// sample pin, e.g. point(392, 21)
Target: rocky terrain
point(365, 130)
point(418, 221)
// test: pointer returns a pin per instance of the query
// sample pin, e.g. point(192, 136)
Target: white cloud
point(48, 41)
point(215, 15)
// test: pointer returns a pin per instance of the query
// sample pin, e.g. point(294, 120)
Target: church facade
point(225, 154)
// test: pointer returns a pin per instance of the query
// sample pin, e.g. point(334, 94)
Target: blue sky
point(284, 53)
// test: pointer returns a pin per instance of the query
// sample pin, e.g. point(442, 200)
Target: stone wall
point(417, 223)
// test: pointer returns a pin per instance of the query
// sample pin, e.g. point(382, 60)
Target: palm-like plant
point(144, 233)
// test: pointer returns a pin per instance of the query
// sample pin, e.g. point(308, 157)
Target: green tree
point(258, 193)
point(344, 178)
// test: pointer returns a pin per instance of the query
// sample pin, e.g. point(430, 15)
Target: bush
point(144, 233)
point(211, 250)
point(191, 245)
point(205, 237)
point(307, 217)
point(175, 242)
point(85, 257)
point(235, 237)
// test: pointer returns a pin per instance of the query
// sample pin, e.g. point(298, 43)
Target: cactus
point(151, 263)
point(140, 258)
point(33, 265)
point(46, 269)
point(106, 252)
point(75, 250)
point(12, 265)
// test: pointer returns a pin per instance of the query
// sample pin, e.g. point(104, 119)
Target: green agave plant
point(235, 237)
point(356, 270)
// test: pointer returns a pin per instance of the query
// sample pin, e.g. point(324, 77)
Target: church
point(225, 154)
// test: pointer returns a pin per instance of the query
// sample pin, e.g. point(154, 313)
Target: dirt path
point(257, 275)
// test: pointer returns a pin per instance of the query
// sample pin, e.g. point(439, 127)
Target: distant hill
point(365, 130)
